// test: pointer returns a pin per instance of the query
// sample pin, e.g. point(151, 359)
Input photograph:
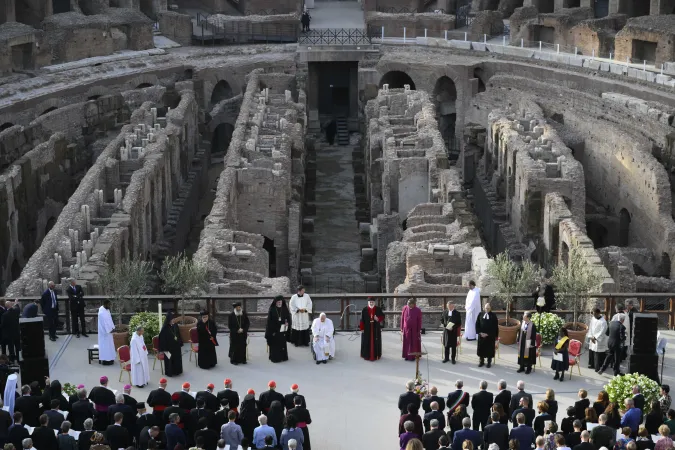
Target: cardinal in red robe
point(372, 320)
point(411, 329)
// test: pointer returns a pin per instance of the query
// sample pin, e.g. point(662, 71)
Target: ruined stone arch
point(48, 105)
point(221, 91)
point(624, 227)
point(445, 99)
point(396, 79)
point(221, 138)
point(96, 91)
point(48, 110)
point(144, 78)
point(6, 125)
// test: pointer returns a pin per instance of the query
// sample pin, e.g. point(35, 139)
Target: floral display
point(548, 325)
point(620, 388)
point(150, 323)
point(421, 387)
point(69, 389)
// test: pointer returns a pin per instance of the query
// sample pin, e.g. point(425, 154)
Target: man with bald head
point(323, 341)
point(435, 414)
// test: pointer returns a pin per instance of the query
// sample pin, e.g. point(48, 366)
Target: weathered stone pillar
point(7, 12)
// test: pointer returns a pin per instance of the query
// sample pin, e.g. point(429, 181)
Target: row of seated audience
point(488, 426)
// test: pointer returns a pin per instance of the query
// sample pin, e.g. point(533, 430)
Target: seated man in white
point(323, 341)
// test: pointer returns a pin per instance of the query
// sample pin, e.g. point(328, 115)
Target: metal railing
point(336, 36)
point(209, 29)
point(404, 10)
point(220, 306)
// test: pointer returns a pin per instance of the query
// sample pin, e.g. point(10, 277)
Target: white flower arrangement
point(620, 388)
point(548, 325)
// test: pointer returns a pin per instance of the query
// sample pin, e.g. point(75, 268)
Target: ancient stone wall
point(414, 24)
point(653, 35)
point(175, 26)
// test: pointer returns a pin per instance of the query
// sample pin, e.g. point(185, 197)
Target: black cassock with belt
point(238, 340)
point(526, 357)
point(371, 339)
point(487, 323)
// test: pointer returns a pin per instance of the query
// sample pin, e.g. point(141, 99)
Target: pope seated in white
point(140, 369)
point(323, 341)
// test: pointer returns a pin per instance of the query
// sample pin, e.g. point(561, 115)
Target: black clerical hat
point(279, 297)
point(235, 304)
point(204, 313)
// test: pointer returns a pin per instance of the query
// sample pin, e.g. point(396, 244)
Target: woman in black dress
point(278, 318)
point(170, 343)
point(561, 349)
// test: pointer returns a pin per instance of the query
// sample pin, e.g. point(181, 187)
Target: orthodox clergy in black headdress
point(207, 330)
point(170, 343)
point(238, 324)
point(278, 322)
point(372, 319)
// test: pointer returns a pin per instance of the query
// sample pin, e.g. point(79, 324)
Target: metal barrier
point(336, 36)
point(404, 10)
point(220, 306)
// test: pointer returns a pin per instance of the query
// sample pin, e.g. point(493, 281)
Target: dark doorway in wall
point(60, 6)
point(144, 85)
point(22, 56)
point(340, 100)
point(664, 269)
point(336, 87)
point(644, 50)
point(535, 213)
point(634, 8)
point(397, 80)
point(598, 234)
point(545, 6)
point(16, 270)
point(572, 4)
point(268, 245)
point(624, 228)
point(565, 254)
point(50, 224)
point(544, 34)
point(445, 96)
point(221, 92)
point(220, 140)
point(478, 74)
point(146, 8)
point(601, 8)
point(187, 75)
point(48, 110)
point(6, 125)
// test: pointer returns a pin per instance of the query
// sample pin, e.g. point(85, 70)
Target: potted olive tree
point(124, 282)
point(510, 279)
point(183, 276)
point(573, 282)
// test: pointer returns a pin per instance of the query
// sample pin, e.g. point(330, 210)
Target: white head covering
point(9, 395)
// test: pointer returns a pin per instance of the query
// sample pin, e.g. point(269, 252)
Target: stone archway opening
point(50, 224)
point(6, 125)
point(624, 228)
point(48, 110)
point(221, 92)
point(144, 85)
point(16, 270)
point(268, 245)
point(220, 140)
point(478, 74)
point(597, 233)
point(565, 254)
point(445, 97)
point(397, 79)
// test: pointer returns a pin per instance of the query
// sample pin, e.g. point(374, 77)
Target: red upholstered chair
point(194, 343)
point(158, 355)
point(538, 345)
point(124, 355)
point(575, 355)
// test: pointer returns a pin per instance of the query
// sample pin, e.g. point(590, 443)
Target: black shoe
point(318, 362)
point(244, 362)
point(528, 371)
point(77, 336)
point(454, 362)
point(481, 363)
point(557, 376)
point(325, 361)
point(562, 378)
point(590, 367)
point(445, 360)
point(600, 372)
point(85, 335)
point(234, 363)
point(489, 364)
point(56, 337)
point(520, 370)
point(52, 339)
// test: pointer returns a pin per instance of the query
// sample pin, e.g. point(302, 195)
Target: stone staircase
point(342, 131)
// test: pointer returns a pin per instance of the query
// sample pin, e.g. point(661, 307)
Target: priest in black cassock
point(450, 332)
point(170, 344)
point(527, 344)
point(372, 321)
point(207, 331)
point(238, 324)
point(487, 329)
point(278, 323)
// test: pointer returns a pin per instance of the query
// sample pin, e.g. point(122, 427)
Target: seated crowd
point(508, 421)
point(205, 420)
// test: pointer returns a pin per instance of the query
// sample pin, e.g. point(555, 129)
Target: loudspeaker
point(645, 328)
point(645, 364)
point(34, 369)
point(32, 338)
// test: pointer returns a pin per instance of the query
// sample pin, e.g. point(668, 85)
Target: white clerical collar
point(486, 315)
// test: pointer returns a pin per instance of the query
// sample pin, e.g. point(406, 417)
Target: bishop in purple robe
point(411, 329)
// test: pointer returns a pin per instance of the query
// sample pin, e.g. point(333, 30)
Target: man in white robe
point(140, 369)
point(301, 307)
point(473, 309)
point(323, 339)
point(597, 340)
point(106, 345)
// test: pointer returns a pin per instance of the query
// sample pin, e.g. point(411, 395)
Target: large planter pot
point(508, 331)
point(577, 330)
point(185, 324)
point(120, 336)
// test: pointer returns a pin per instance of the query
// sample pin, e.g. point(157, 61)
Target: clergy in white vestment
point(106, 345)
point(301, 307)
point(140, 370)
point(473, 309)
point(597, 340)
point(323, 341)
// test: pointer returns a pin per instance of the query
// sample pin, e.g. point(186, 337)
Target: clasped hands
point(240, 330)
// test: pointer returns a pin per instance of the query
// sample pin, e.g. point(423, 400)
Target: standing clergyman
point(140, 370)
point(411, 329)
point(278, 320)
point(301, 308)
point(324, 342)
point(372, 319)
point(452, 325)
point(597, 340)
point(473, 308)
point(106, 344)
point(238, 324)
point(487, 328)
point(206, 333)
point(527, 344)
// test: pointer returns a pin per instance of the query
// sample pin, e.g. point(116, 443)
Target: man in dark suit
point(450, 332)
point(210, 400)
point(116, 435)
point(50, 308)
point(466, 434)
point(617, 337)
point(5, 423)
point(407, 398)
point(220, 418)
point(76, 300)
point(444, 443)
point(434, 414)
point(145, 419)
point(29, 406)
point(128, 399)
point(159, 400)
point(17, 432)
point(525, 410)
point(233, 397)
point(209, 436)
point(430, 438)
point(523, 433)
point(638, 399)
point(426, 403)
point(290, 398)
point(151, 434)
point(128, 414)
point(515, 399)
point(81, 410)
point(456, 398)
point(30, 311)
point(496, 432)
point(585, 442)
point(44, 435)
point(174, 435)
point(55, 416)
point(11, 334)
point(481, 402)
point(574, 438)
point(503, 396)
point(267, 397)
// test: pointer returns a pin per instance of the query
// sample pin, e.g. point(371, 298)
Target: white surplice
point(106, 345)
point(597, 330)
point(140, 369)
point(322, 339)
point(300, 321)
point(473, 309)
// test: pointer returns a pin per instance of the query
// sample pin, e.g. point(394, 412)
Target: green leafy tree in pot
point(125, 282)
point(511, 278)
point(183, 276)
